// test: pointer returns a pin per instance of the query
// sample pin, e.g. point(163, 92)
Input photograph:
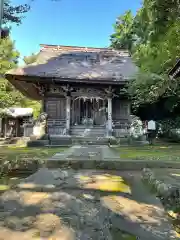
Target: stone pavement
point(101, 157)
point(83, 204)
point(88, 152)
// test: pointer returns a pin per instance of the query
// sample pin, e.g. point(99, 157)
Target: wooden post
point(109, 116)
point(68, 111)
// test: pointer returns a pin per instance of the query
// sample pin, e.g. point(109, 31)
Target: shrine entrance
point(89, 111)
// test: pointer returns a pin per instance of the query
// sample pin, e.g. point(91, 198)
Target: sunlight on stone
point(4, 187)
point(105, 182)
point(47, 222)
point(27, 185)
point(32, 198)
point(172, 214)
point(88, 196)
point(52, 223)
point(34, 186)
point(178, 235)
point(163, 147)
point(175, 174)
point(84, 178)
point(64, 233)
point(44, 223)
point(174, 217)
point(134, 211)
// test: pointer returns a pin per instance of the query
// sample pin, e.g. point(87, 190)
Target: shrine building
point(80, 88)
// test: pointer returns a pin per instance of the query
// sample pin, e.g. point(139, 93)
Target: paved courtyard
point(102, 157)
point(88, 152)
point(86, 204)
point(72, 204)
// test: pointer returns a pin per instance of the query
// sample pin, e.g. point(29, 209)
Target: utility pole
point(1, 15)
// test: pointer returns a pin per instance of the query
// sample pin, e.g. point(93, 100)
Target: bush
point(170, 129)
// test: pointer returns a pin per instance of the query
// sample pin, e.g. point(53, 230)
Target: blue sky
point(68, 22)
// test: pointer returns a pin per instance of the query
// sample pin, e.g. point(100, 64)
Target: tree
point(14, 14)
point(9, 58)
point(123, 38)
point(153, 37)
point(30, 59)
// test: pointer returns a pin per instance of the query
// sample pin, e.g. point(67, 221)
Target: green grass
point(15, 157)
point(169, 152)
point(11, 153)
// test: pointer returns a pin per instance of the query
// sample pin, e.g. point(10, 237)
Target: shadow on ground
point(81, 205)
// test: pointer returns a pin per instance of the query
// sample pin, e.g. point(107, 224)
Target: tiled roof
point(79, 63)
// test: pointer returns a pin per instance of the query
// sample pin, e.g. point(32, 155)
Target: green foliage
point(153, 37)
point(30, 59)
point(123, 37)
point(13, 158)
point(8, 94)
point(9, 57)
point(14, 13)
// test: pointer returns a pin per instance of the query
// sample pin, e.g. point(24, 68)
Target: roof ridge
point(70, 46)
point(88, 49)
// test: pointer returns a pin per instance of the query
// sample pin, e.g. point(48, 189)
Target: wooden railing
point(120, 129)
point(56, 122)
point(27, 129)
point(56, 126)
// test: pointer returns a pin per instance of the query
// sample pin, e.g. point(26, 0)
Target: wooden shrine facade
point(79, 86)
point(70, 106)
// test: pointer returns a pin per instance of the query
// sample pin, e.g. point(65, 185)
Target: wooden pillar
point(68, 113)
point(109, 115)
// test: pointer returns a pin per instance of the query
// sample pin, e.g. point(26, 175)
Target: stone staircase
point(90, 140)
point(95, 135)
point(58, 140)
point(81, 135)
point(82, 131)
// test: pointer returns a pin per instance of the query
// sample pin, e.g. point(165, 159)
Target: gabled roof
point(17, 112)
point(79, 63)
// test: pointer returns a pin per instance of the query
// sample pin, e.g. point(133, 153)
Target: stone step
point(68, 141)
point(60, 141)
point(88, 132)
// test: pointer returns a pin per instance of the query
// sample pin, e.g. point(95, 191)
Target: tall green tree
point(154, 44)
point(123, 38)
point(30, 59)
point(8, 59)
